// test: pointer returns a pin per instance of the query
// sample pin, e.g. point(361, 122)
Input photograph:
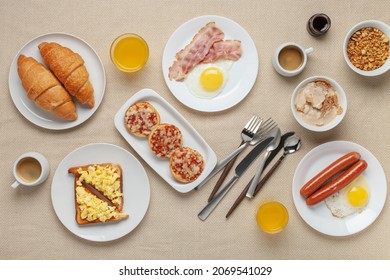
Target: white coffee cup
point(30, 169)
point(295, 50)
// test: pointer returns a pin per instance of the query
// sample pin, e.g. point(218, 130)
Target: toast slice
point(91, 209)
point(106, 178)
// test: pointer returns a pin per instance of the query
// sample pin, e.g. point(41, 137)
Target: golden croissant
point(44, 89)
point(69, 68)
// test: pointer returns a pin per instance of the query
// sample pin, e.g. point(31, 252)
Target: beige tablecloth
point(29, 227)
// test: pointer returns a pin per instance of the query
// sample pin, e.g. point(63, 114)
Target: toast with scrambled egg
point(106, 179)
point(91, 209)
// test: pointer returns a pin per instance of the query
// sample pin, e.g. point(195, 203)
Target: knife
point(269, 159)
point(240, 169)
point(275, 132)
point(96, 193)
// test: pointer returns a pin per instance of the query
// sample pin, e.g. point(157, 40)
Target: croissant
point(69, 68)
point(44, 89)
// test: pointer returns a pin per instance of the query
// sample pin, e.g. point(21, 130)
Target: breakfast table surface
point(170, 229)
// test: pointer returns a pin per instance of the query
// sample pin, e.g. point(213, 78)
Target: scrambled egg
point(104, 178)
point(93, 208)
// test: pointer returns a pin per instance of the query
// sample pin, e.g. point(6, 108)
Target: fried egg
point(208, 80)
point(349, 200)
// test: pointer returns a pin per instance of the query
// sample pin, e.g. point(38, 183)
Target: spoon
point(274, 144)
point(291, 145)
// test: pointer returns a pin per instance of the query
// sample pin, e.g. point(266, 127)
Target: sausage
point(337, 184)
point(335, 167)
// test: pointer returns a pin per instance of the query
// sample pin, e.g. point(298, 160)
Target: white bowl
point(368, 23)
point(342, 100)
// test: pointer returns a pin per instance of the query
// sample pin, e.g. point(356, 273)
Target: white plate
point(29, 109)
point(168, 114)
point(319, 216)
point(242, 75)
point(136, 191)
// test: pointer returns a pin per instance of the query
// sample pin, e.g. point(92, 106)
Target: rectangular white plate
point(168, 114)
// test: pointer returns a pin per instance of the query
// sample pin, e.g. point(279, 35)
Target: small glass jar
point(318, 25)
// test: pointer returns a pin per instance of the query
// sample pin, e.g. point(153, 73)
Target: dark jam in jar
point(318, 25)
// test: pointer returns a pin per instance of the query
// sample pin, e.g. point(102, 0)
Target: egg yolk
point(211, 79)
point(357, 196)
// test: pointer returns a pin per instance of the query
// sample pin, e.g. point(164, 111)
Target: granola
point(368, 48)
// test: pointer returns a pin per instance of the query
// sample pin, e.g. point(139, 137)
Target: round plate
point(319, 217)
point(29, 109)
point(242, 75)
point(136, 191)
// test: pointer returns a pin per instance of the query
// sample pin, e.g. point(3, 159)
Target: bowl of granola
point(366, 48)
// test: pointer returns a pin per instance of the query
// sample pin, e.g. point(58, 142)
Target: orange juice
point(129, 52)
point(272, 217)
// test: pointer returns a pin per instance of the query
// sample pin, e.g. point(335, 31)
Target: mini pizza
point(164, 139)
point(186, 164)
point(141, 118)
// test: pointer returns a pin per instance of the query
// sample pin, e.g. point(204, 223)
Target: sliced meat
point(195, 52)
point(226, 49)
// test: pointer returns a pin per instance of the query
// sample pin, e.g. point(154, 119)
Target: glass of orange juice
point(272, 217)
point(129, 52)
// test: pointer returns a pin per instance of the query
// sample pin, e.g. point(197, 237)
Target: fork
point(247, 135)
point(259, 136)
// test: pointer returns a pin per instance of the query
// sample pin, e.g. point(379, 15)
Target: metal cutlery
point(242, 195)
point(240, 169)
point(259, 136)
point(247, 135)
point(276, 134)
point(291, 145)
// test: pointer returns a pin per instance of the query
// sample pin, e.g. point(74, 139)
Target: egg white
point(338, 203)
point(192, 80)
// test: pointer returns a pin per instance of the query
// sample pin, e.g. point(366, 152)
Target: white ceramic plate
point(136, 191)
point(242, 74)
point(29, 109)
point(318, 216)
point(168, 114)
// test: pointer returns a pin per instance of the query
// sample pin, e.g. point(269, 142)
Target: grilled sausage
point(335, 167)
point(337, 184)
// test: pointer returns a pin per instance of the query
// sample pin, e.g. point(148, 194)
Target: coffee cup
point(30, 169)
point(290, 59)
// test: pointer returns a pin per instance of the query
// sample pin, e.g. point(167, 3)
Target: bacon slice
point(195, 51)
point(226, 49)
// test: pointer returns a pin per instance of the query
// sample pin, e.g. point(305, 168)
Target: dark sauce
point(318, 25)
